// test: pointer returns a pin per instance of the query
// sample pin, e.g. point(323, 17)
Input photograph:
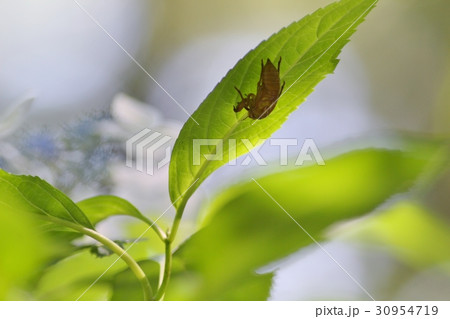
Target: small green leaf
point(125, 287)
point(309, 50)
point(34, 195)
point(246, 228)
point(101, 207)
point(101, 251)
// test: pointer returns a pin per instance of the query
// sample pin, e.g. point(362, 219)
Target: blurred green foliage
point(24, 252)
point(247, 228)
point(125, 287)
point(411, 232)
point(243, 228)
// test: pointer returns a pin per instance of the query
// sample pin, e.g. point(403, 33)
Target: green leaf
point(71, 277)
point(189, 285)
point(25, 251)
point(101, 251)
point(411, 232)
point(309, 50)
point(101, 207)
point(125, 286)
point(32, 194)
point(246, 228)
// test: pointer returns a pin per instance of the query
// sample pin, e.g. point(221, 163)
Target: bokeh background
point(70, 97)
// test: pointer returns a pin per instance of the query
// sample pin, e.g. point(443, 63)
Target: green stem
point(168, 251)
point(177, 219)
point(167, 270)
point(190, 191)
point(179, 214)
point(134, 266)
point(185, 197)
point(161, 234)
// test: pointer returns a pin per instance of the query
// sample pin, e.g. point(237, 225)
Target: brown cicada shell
point(268, 91)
